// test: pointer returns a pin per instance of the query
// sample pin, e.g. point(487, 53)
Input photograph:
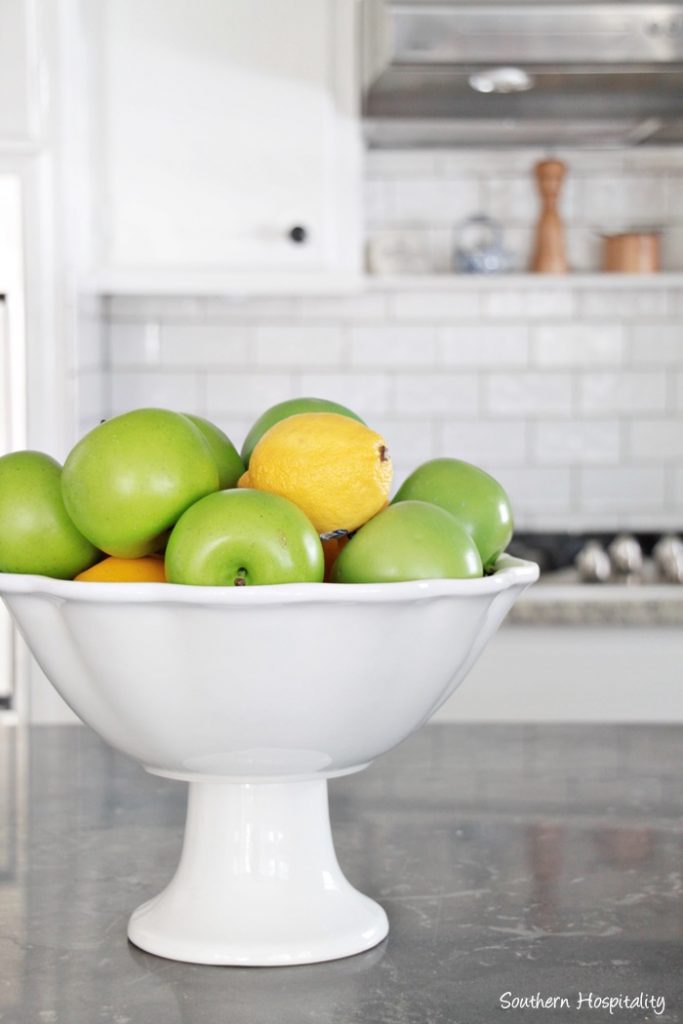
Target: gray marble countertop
point(510, 859)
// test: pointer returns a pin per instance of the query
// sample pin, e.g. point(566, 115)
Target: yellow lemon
point(337, 470)
point(148, 569)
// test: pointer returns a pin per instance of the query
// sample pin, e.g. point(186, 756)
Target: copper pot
point(633, 252)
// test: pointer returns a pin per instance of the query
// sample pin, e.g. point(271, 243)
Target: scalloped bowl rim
point(509, 571)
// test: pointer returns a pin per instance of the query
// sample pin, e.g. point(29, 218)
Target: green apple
point(129, 480)
point(36, 534)
point(244, 538)
point(410, 541)
point(228, 462)
point(290, 408)
point(476, 500)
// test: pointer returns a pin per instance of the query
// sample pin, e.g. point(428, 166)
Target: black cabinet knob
point(298, 234)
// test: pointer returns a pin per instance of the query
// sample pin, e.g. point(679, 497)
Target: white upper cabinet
point(227, 141)
point(17, 113)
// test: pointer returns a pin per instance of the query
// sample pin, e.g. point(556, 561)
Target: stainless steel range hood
point(601, 74)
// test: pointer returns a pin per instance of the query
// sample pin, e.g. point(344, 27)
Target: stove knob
point(668, 556)
point(592, 563)
point(626, 555)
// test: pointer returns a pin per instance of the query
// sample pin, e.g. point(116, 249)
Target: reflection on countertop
point(509, 858)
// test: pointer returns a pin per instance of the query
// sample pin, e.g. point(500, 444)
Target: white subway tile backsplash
point(395, 250)
point(674, 186)
point(528, 304)
point(91, 307)
point(657, 344)
point(440, 241)
point(576, 442)
point(560, 415)
point(239, 393)
point(677, 487)
point(92, 353)
point(527, 394)
point(135, 344)
point(392, 345)
point(410, 441)
point(479, 345)
point(485, 442)
point(672, 247)
point(173, 309)
point(402, 470)
point(612, 203)
point(244, 309)
point(93, 396)
point(658, 521)
point(678, 392)
point(131, 389)
point(478, 164)
point(577, 345)
point(192, 345)
point(236, 427)
point(378, 202)
point(676, 301)
point(583, 248)
point(452, 394)
point(299, 346)
point(368, 394)
point(85, 425)
point(648, 159)
point(621, 304)
point(586, 163)
point(518, 242)
point(432, 305)
point(508, 197)
point(535, 489)
point(620, 488)
point(626, 392)
point(434, 201)
point(402, 163)
point(358, 307)
point(656, 440)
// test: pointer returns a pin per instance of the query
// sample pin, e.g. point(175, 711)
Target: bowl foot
point(258, 883)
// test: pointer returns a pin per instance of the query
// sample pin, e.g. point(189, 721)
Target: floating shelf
point(469, 282)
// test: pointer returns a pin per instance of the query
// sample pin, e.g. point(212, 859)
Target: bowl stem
point(258, 883)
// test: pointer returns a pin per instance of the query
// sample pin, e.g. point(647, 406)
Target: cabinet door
point(223, 128)
point(15, 105)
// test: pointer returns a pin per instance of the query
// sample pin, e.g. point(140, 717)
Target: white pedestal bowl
point(256, 696)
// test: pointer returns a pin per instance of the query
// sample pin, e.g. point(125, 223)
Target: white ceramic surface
point(256, 696)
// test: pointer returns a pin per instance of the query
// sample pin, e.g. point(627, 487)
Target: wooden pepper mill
point(549, 252)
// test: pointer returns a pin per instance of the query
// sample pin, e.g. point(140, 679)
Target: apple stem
point(331, 534)
point(240, 580)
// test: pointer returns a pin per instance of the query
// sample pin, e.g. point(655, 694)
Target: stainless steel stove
point(598, 558)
